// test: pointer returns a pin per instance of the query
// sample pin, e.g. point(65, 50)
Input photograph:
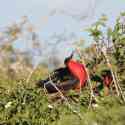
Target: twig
point(64, 98)
point(45, 90)
point(89, 81)
point(110, 67)
point(114, 76)
point(121, 92)
point(31, 73)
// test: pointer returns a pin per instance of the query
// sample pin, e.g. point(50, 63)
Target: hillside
point(22, 103)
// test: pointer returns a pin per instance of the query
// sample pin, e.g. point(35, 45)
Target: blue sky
point(39, 12)
point(60, 16)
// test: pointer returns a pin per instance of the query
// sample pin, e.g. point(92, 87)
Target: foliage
point(26, 105)
point(21, 103)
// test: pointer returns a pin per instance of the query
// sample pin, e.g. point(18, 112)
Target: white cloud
point(75, 8)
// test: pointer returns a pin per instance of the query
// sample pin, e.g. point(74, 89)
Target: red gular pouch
point(79, 72)
point(107, 80)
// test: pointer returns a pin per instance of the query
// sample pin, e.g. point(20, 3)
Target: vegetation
point(22, 103)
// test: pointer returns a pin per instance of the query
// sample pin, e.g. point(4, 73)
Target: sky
point(65, 18)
